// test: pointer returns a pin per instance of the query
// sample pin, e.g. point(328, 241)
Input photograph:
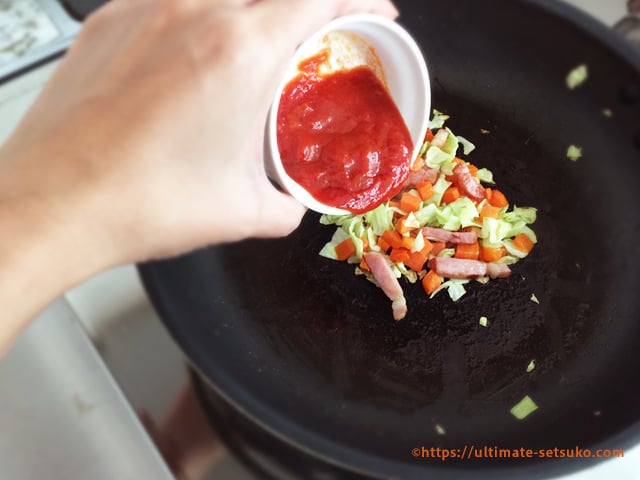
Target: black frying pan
point(300, 346)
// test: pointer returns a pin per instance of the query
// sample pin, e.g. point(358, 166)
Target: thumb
point(280, 214)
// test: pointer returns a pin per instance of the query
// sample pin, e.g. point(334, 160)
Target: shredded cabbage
point(438, 119)
point(577, 76)
point(524, 408)
point(454, 287)
point(524, 214)
point(451, 145)
point(380, 219)
point(438, 190)
point(485, 175)
point(531, 367)
point(574, 153)
point(439, 159)
point(458, 214)
point(467, 146)
point(427, 214)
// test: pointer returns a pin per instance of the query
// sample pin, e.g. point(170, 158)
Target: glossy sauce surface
point(342, 138)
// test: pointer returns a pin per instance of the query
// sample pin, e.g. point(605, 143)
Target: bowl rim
point(341, 23)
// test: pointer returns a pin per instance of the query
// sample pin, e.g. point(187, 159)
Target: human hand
point(151, 129)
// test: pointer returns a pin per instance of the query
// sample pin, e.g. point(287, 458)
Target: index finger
point(292, 21)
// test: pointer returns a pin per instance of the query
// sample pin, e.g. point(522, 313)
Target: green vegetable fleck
point(534, 299)
point(577, 76)
point(483, 321)
point(574, 153)
point(439, 429)
point(531, 367)
point(524, 408)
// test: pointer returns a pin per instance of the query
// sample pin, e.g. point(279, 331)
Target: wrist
point(46, 243)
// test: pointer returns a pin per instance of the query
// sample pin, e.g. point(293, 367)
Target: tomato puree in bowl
point(341, 136)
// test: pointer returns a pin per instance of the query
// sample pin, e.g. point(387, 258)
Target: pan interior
point(312, 351)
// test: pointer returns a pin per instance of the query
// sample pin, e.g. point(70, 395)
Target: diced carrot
point(410, 203)
point(429, 136)
point(523, 242)
point(383, 244)
point(488, 193)
point(468, 251)
point(418, 164)
point(425, 190)
point(394, 204)
point(399, 255)
point(416, 261)
point(428, 247)
point(473, 170)
point(364, 266)
point(431, 281)
point(345, 249)
point(437, 247)
point(489, 211)
point(407, 242)
point(393, 238)
point(458, 161)
point(498, 199)
point(450, 195)
point(490, 254)
point(365, 244)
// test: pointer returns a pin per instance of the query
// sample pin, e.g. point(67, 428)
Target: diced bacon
point(498, 270)
point(440, 138)
point(458, 268)
point(442, 235)
point(381, 270)
point(461, 268)
point(426, 174)
point(468, 184)
point(399, 308)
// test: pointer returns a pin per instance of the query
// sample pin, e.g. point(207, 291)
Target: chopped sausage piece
point(498, 270)
point(442, 235)
point(468, 184)
point(465, 269)
point(426, 174)
point(458, 268)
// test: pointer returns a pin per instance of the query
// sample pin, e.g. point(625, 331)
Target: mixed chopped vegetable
point(531, 367)
point(448, 226)
point(577, 76)
point(524, 408)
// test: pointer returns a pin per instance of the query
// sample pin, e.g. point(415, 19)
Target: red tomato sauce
point(342, 138)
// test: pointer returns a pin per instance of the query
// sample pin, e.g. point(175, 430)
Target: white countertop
point(61, 414)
